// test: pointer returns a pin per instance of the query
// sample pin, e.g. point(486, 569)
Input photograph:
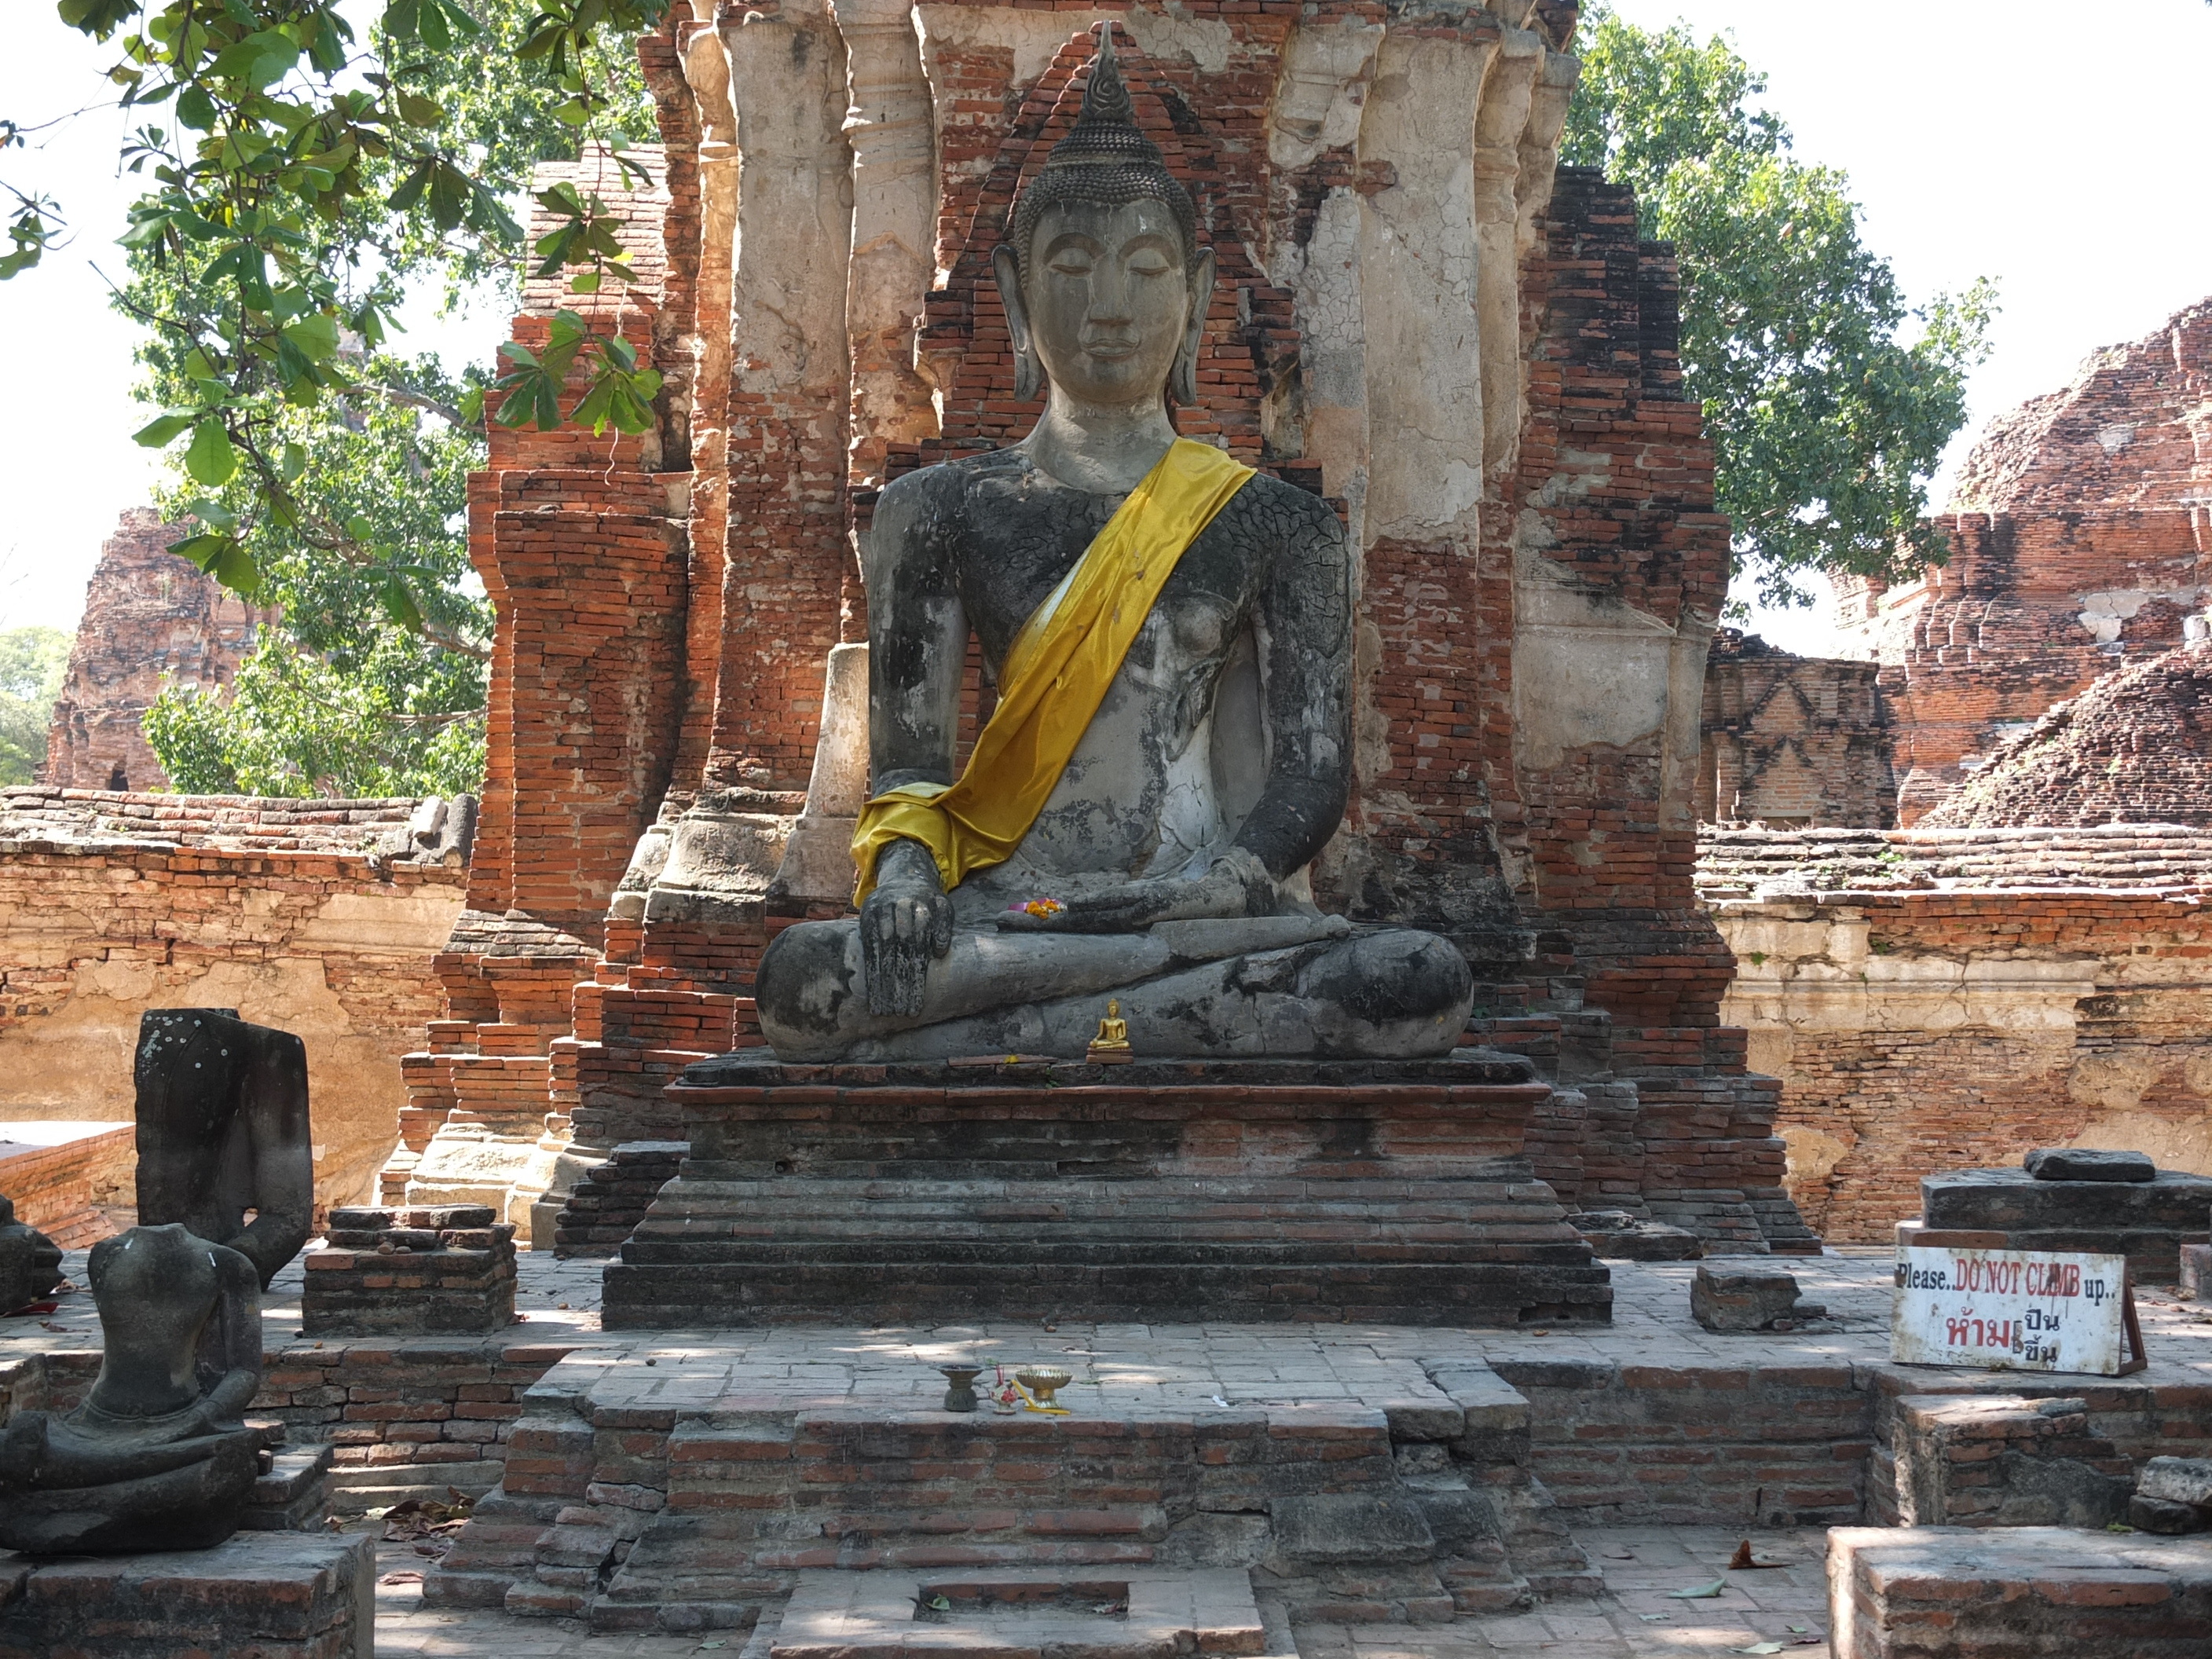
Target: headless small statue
point(156, 1457)
point(1168, 862)
point(223, 1129)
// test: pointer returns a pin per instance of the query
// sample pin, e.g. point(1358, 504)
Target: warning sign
point(2021, 1310)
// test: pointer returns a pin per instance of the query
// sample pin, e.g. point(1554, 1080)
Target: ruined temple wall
point(1793, 740)
point(113, 904)
point(1934, 1000)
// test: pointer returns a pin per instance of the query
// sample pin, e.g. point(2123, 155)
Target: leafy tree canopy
point(302, 180)
point(1826, 422)
point(31, 661)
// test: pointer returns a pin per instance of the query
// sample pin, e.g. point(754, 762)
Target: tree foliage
point(32, 662)
point(301, 183)
point(1826, 421)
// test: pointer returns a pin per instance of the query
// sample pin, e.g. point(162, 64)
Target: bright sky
point(2055, 147)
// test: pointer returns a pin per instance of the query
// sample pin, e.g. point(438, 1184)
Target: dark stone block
point(2146, 1221)
point(2161, 1514)
point(2080, 1163)
point(1749, 1296)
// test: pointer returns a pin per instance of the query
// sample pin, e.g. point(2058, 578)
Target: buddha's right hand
point(904, 923)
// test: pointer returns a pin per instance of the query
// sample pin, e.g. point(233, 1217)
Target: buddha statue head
point(1105, 285)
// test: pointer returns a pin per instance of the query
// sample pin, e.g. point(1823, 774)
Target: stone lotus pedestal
point(273, 1596)
point(1157, 1191)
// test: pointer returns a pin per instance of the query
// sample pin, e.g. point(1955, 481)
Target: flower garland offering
point(1043, 909)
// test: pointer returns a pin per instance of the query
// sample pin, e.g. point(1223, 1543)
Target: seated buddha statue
point(1169, 635)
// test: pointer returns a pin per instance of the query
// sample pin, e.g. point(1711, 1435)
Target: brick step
point(497, 1548)
point(1498, 1287)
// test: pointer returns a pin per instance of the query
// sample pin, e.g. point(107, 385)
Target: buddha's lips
point(1112, 351)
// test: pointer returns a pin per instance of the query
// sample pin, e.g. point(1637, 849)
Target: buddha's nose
point(1111, 294)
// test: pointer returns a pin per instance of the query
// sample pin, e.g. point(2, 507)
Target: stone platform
point(273, 1596)
point(1245, 1190)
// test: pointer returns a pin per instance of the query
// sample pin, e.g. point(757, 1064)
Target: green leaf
point(195, 109)
point(214, 512)
point(315, 337)
point(1701, 1592)
point(420, 110)
point(157, 434)
point(399, 19)
point(399, 601)
point(292, 463)
point(431, 20)
point(584, 281)
point(209, 459)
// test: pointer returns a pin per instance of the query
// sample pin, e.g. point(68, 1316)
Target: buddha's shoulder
point(1266, 505)
point(943, 486)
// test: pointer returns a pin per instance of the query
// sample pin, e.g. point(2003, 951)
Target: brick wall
point(1942, 1000)
point(315, 917)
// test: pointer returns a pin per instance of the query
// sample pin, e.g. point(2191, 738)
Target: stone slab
point(2017, 1592)
point(273, 1596)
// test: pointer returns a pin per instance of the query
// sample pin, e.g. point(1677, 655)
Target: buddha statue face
point(1108, 300)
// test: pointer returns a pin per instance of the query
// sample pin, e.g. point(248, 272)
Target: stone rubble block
point(2083, 1163)
point(271, 1595)
point(444, 1270)
point(1749, 1296)
point(2173, 1495)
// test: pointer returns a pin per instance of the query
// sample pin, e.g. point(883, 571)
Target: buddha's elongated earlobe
point(1028, 374)
point(1182, 378)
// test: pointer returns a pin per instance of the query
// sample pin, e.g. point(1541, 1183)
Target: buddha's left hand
point(1237, 885)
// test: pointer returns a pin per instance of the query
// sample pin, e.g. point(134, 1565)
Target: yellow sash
point(1055, 676)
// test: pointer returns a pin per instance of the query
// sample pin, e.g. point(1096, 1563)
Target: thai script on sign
point(2009, 1309)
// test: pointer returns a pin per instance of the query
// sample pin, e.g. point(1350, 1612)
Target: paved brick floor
point(1634, 1620)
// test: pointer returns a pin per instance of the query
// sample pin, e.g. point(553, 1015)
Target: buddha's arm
point(1304, 629)
point(917, 647)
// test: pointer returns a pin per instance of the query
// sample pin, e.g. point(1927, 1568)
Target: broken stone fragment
point(1751, 1297)
point(2177, 1480)
point(2080, 1163)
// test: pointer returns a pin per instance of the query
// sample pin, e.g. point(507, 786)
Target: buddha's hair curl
point(1105, 160)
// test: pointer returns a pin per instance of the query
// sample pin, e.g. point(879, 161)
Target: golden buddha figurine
point(1111, 1046)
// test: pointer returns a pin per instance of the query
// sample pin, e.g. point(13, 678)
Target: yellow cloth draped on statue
point(1055, 676)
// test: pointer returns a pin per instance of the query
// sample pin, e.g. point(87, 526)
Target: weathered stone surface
point(1617, 1236)
point(2004, 1461)
point(1256, 1190)
point(1789, 740)
point(2016, 1593)
point(157, 1454)
point(2195, 1281)
point(2080, 1163)
point(2177, 1480)
point(441, 1270)
point(274, 1595)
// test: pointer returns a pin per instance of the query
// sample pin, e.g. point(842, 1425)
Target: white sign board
point(2009, 1310)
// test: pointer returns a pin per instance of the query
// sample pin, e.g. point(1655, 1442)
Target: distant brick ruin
point(149, 617)
point(673, 772)
point(2076, 531)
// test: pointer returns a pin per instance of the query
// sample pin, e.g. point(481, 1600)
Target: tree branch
point(444, 411)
